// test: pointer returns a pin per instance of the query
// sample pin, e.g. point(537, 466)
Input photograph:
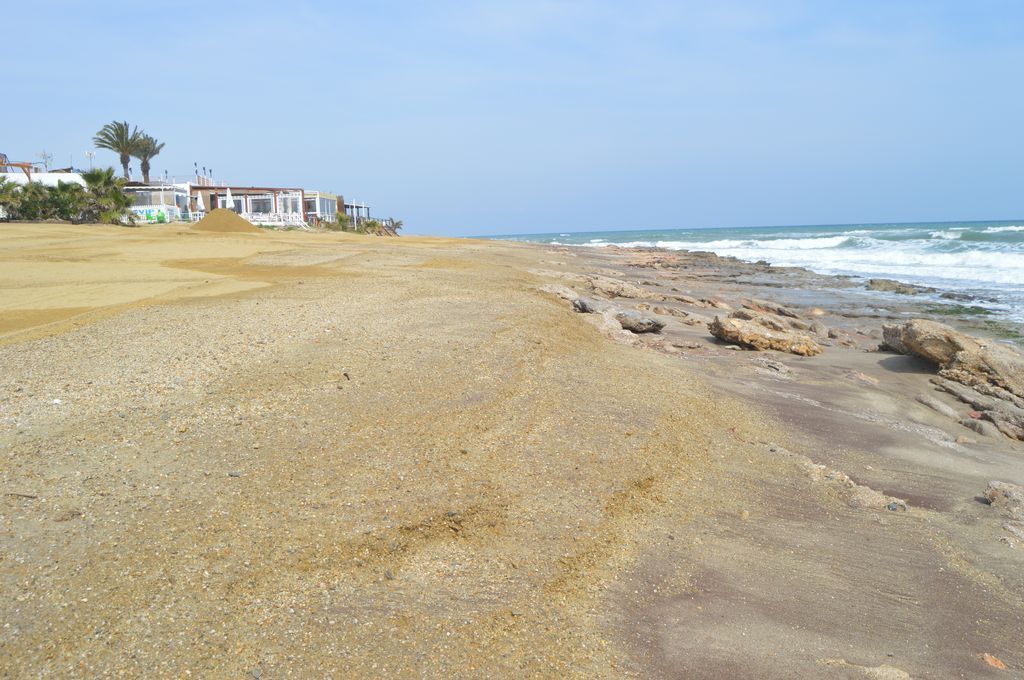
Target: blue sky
point(548, 115)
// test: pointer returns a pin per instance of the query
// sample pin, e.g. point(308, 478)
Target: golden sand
point(325, 455)
point(223, 221)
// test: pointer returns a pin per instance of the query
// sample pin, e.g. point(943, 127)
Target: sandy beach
point(322, 455)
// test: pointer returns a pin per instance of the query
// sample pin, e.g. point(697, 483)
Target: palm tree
point(120, 139)
point(33, 202)
point(145, 150)
point(395, 224)
point(106, 200)
point(67, 201)
point(10, 197)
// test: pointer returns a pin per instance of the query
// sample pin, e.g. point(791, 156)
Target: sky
point(473, 117)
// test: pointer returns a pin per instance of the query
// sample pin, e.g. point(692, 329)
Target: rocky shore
point(312, 455)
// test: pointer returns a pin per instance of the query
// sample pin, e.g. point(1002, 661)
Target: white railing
point(267, 219)
point(277, 219)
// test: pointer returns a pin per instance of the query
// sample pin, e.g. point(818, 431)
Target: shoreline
point(315, 454)
point(831, 249)
point(892, 298)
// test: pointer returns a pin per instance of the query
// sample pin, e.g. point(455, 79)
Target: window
point(262, 205)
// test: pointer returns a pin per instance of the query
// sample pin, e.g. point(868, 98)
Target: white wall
point(49, 179)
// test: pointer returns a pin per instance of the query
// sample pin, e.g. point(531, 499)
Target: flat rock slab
point(752, 335)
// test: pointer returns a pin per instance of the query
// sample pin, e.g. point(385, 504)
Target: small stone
point(234, 473)
point(584, 305)
point(69, 515)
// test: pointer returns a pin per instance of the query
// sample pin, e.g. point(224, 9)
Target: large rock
point(613, 288)
point(959, 357)
point(770, 321)
point(637, 323)
point(561, 291)
point(754, 335)
point(1003, 414)
point(890, 286)
point(769, 307)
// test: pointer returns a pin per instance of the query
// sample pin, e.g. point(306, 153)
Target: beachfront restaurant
point(359, 212)
point(320, 206)
point(271, 206)
point(159, 203)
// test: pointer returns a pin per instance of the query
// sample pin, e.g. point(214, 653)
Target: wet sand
point(321, 455)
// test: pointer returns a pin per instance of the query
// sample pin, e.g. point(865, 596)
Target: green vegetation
point(102, 199)
point(106, 200)
point(371, 227)
point(128, 141)
point(1001, 331)
point(956, 310)
point(120, 138)
point(146, 150)
point(342, 222)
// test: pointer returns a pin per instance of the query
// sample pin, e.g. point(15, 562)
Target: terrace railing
point(277, 219)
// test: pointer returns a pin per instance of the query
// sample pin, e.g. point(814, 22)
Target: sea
point(982, 260)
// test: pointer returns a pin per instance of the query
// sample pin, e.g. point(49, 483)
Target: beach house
point(321, 206)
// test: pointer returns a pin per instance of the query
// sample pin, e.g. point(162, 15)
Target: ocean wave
point(817, 243)
point(986, 267)
point(913, 260)
point(975, 258)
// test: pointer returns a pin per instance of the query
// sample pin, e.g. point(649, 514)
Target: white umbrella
point(229, 202)
point(200, 206)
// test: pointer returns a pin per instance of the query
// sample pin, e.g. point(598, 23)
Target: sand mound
point(224, 221)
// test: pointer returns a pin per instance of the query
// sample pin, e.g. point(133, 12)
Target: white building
point(159, 203)
point(49, 179)
point(320, 206)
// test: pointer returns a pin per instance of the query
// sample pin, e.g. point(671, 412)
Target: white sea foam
point(934, 255)
point(785, 244)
